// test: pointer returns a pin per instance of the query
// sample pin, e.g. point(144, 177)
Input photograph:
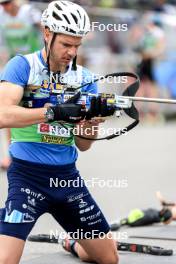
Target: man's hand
point(99, 108)
point(69, 111)
point(87, 129)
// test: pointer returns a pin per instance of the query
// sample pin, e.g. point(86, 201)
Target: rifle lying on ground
point(121, 246)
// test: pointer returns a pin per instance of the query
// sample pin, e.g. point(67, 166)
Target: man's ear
point(46, 34)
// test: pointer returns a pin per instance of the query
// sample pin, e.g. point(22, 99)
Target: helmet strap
point(48, 51)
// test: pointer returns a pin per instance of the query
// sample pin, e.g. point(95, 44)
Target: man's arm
point(88, 129)
point(12, 115)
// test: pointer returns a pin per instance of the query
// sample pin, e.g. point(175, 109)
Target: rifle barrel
point(152, 100)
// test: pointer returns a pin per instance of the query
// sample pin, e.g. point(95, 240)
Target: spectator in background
point(163, 7)
point(84, 2)
point(150, 44)
point(106, 4)
point(19, 27)
point(19, 33)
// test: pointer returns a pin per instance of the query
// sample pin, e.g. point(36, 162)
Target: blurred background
point(135, 35)
point(142, 41)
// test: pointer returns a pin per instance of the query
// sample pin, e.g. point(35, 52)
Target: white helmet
point(67, 18)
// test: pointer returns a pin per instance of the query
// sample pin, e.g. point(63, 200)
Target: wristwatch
point(49, 115)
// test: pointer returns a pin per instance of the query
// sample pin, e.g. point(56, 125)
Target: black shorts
point(36, 189)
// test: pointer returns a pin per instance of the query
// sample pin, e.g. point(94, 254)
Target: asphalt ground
point(140, 163)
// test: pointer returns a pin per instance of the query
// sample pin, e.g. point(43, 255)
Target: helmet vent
point(75, 18)
point(58, 7)
point(84, 21)
point(79, 13)
point(56, 16)
point(67, 29)
point(70, 30)
point(66, 18)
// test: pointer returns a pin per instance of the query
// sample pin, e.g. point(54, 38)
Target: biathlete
point(42, 149)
